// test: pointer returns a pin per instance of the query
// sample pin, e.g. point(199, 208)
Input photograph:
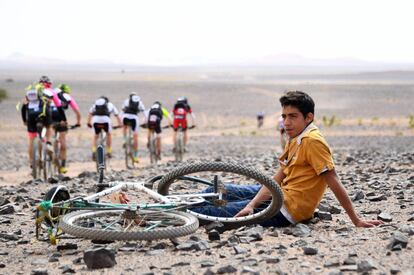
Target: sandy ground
point(371, 127)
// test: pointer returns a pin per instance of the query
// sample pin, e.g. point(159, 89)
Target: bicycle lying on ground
point(166, 214)
point(179, 143)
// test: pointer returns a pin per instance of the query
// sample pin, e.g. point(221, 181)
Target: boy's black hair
point(300, 100)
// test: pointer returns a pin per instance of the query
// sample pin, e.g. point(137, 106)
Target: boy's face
point(294, 120)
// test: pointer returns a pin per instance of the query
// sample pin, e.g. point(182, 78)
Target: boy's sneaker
point(135, 159)
point(94, 156)
point(109, 155)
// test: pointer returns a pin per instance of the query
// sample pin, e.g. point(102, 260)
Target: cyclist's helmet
point(65, 88)
point(156, 105)
point(135, 98)
point(101, 101)
point(105, 98)
point(45, 79)
point(182, 100)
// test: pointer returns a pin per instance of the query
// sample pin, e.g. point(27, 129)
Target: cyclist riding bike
point(155, 115)
point(180, 111)
point(99, 118)
point(36, 108)
point(63, 92)
point(260, 118)
point(131, 108)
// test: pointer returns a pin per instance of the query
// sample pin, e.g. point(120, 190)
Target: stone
point(67, 269)
point(99, 258)
point(359, 195)
point(4, 201)
point(214, 235)
point(155, 252)
point(39, 262)
point(9, 236)
point(378, 198)
point(250, 270)
point(384, 217)
point(7, 209)
point(365, 266)
point(301, 230)
point(398, 239)
point(226, 269)
point(215, 225)
point(67, 246)
point(39, 271)
point(207, 263)
point(239, 250)
point(409, 229)
point(324, 215)
point(310, 251)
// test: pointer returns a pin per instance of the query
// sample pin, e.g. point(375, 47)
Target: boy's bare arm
point(340, 193)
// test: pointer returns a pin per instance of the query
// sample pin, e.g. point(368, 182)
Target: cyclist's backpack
point(102, 110)
point(133, 107)
point(154, 116)
point(63, 100)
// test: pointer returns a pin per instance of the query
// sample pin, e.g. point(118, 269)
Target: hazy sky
point(181, 31)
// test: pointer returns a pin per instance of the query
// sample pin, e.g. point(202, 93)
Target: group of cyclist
point(46, 105)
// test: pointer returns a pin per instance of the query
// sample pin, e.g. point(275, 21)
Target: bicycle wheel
point(179, 146)
point(129, 161)
point(35, 158)
point(153, 154)
point(100, 162)
point(55, 194)
point(47, 164)
point(124, 225)
point(214, 174)
point(55, 160)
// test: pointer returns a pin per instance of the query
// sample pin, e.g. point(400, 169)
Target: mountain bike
point(41, 157)
point(56, 149)
point(179, 143)
point(152, 215)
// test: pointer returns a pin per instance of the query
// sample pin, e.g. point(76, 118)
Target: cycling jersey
point(67, 100)
point(180, 115)
point(155, 115)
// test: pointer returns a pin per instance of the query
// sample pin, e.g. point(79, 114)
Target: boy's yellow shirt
point(305, 158)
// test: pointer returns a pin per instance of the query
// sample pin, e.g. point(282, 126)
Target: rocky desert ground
point(371, 135)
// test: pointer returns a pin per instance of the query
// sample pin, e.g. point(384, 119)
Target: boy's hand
point(366, 223)
point(123, 198)
point(247, 210)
